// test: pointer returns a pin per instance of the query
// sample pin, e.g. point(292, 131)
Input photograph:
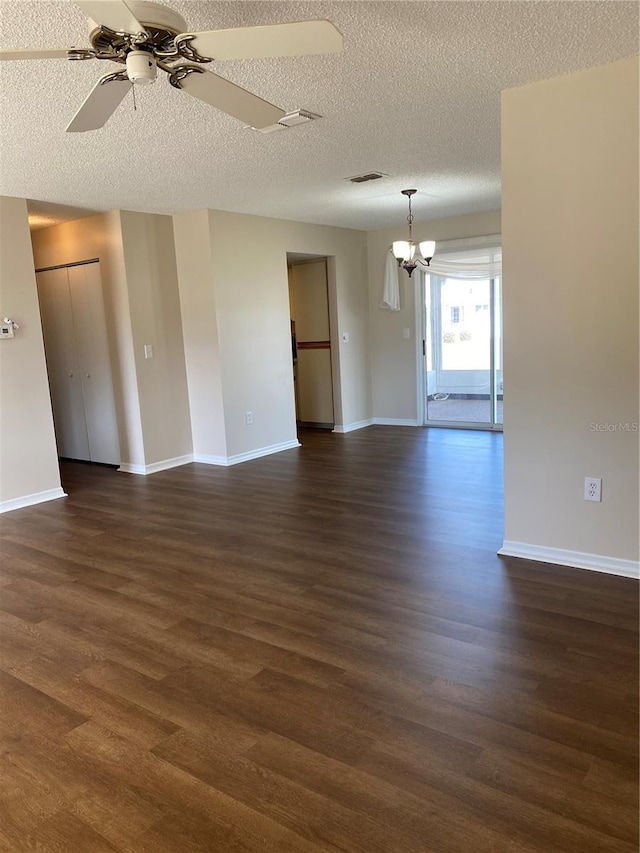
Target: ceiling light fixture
point(405, 250)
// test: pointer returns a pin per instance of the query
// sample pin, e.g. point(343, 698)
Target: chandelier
point(405, 250)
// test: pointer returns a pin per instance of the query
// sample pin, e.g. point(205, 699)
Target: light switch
point(406, 334)
point(345, 337)
point(148, 351)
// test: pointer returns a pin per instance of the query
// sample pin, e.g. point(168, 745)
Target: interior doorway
point(311, 341)
point(78, 363)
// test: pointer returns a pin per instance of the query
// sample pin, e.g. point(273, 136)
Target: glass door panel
point(463, 352)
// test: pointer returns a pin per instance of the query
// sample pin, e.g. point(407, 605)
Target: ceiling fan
point(144, 36)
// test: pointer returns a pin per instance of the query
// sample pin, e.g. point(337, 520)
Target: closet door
point(63, 364)
point(85, 287)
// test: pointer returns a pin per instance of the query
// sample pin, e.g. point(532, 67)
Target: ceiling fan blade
point(234, 100)
point(44, 53)
point(99, 105)
point(114, 14)
point(295, 39)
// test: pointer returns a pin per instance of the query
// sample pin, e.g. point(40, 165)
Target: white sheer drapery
point(391, 289)
point(474, 258)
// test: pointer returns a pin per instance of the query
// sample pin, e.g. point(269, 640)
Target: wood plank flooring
point(314, 651)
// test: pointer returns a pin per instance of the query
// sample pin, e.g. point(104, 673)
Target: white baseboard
point(154, 467)
point(245, 457)
point(412, 422)
point(31, 500)
point(352, 426)
point(575, 559)
point(210, 460)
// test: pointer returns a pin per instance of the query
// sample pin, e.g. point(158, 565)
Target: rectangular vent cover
point(290, 120)
point(370, 176)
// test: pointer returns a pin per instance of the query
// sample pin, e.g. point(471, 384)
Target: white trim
point(31, 500)
point(154, 467)
point(575, 559)
point(245, 457)
point(210, 460)
point(396, 422)
point(131, 468)
point(352, 426)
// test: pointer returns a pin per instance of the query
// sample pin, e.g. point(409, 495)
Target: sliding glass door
point(463, 352)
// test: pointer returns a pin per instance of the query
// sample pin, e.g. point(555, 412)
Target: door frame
point(334, 349)
point(109, 363)
point(422, 282)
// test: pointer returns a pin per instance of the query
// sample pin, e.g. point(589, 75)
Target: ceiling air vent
point(370, 176)
point(290, 120)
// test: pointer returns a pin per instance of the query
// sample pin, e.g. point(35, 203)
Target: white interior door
point(63, 364)
point(77, 351)
point(85, 286)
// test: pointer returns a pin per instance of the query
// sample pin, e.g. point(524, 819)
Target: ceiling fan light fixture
point(141, 67)
point(145, 36)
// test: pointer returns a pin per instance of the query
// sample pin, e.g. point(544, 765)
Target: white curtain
point(391, 289)
point(475, 258)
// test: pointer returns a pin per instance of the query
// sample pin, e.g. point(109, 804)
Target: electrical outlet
point(249, 418)
point(593, 489)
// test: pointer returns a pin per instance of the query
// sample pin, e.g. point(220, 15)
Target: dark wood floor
point(315, 651)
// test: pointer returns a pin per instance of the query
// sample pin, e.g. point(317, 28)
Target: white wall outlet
point(593, 489)
point(148, 351)
point(406, 334)
point(249, 418)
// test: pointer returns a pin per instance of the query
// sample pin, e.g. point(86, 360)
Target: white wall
point(154, 305)
point(28, 455)
point(246, 265)
point(393, 358)
point(200, 333)
point(137, 262)
point(570, 248)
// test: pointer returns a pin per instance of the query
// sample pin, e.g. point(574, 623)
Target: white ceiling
point(416, 95)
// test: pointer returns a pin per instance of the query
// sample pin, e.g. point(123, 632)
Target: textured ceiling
point(416, 95)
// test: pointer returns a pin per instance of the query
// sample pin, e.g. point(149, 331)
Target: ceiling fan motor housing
point(141, 67)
